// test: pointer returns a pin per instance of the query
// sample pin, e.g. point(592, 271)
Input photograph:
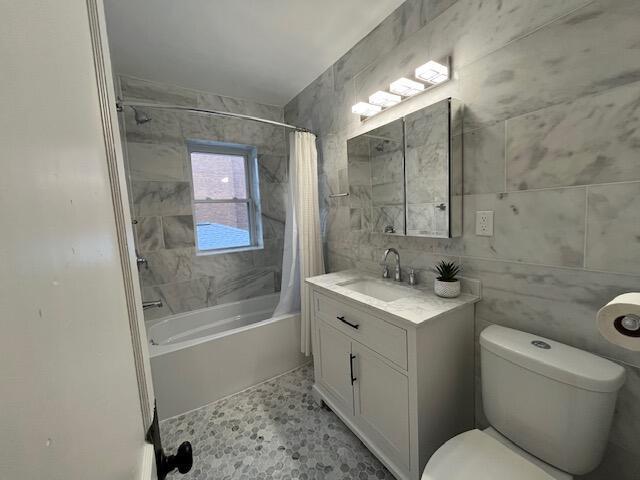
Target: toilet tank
point(552, 400)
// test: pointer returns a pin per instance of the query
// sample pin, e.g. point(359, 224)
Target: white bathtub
point(202, 356)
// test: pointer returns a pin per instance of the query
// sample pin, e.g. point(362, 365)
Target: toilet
point(550, 408)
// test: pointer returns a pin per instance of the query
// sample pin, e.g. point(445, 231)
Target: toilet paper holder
point(628, 325)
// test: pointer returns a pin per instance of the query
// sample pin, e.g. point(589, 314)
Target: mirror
point(405, 177)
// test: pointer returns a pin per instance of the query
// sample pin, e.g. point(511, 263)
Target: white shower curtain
point(303, 256)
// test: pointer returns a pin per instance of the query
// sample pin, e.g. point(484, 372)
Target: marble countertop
point(419, 306)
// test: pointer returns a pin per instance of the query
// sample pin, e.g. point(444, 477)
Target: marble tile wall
point(551, 144)
point(160, 194)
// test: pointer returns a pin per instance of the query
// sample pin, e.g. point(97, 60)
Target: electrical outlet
point(484, 223)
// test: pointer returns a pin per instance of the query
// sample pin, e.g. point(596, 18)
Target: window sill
point(203, 253)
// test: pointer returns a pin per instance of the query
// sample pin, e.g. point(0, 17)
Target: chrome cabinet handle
point(351, 357)
point(352, 325)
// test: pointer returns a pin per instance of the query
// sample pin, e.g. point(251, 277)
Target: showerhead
point(140, 117)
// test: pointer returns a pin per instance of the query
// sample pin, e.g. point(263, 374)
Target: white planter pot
point(446, 289)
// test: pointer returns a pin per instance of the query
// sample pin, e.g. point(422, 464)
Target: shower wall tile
point(613, 233)
point(178, 231)
point(145, 90)
point(513, 81)
point(158, 162)
point(273, 168)
point(211, 101)
point(159, 172)
point(149, 234)
point(187, 296)
point(595, 139)
point(233, 286)
point(161, 198)
point(164, 127)
point(545, 227)
point(484, 160)
point(168, 266)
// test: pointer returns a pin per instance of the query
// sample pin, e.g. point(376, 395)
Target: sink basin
point(387, 292)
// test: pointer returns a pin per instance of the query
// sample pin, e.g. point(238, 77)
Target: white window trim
point(252, 188)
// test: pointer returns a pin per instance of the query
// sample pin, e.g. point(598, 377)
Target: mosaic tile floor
point(272, 431)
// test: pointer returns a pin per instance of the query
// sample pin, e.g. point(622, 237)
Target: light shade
point(405, 87)
point(365, 109)
point(384, 99)
point(432, 72)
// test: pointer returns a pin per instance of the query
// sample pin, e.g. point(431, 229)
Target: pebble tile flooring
point(272, 431)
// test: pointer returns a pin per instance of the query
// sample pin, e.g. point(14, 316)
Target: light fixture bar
point(432, 72)
point(405, 87)
point(366, 109)
point(384, 99)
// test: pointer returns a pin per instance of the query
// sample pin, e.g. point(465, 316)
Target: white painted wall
point(69, 406)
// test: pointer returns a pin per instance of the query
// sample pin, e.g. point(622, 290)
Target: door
point(335, 365)
point(71, 403)
point(381, 398)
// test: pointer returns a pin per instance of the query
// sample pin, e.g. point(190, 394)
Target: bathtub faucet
point(152, 304)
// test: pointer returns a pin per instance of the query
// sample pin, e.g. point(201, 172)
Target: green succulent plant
point(447, 271)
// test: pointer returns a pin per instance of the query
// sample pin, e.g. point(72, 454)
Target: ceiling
point(262, 50)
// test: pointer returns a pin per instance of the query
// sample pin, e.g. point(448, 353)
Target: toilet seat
point(486, 455)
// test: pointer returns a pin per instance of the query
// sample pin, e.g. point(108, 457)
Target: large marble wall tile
point(467, 31)
point(272, 227)
point(273, 168)
point(618, 464)
point(150, 294)
point(613, 228)
point(545, 227)
point(149, 234)
point(595, 139)
point(626, 422)
point(188, 296)
point(471, 29)
point(556, 63)
point(273, 199)
point(235, 286)
point(484, 160)
point(199, 126)
point(221, 103)
point(178, 231)
point(161, 198)
point(164, 127)
point(557, 303)
point(403, 22)
point(208, 265)
point(137, 89)
point(156, 161)
point(169, 266)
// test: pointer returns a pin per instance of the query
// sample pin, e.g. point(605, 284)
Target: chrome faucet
point(154, 303)
point(397, 275)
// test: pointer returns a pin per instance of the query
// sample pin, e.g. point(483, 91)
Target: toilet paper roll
point(619, 321)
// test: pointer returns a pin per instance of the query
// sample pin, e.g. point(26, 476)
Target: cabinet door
point(335, 365)
point(381, 398)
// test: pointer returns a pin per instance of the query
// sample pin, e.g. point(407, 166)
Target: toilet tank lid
point(553, 359)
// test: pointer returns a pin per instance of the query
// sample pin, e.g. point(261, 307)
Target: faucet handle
point(385, 271)
point(412, 277)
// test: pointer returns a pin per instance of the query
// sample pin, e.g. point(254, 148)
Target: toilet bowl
point(550, 408)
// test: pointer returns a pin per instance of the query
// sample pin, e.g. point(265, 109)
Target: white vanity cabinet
point(403, 387)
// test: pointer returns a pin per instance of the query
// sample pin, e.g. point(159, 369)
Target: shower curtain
point(303, 256)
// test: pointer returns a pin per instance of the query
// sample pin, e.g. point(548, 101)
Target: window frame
point(252, 200)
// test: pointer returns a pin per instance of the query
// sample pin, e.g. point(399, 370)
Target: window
point(225, 197)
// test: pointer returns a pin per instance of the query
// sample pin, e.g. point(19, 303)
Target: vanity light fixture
point(405, 87)
point(366, 109)
point(433, 72)
point(384, 99)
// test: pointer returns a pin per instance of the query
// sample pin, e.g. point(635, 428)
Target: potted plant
point(446, 284)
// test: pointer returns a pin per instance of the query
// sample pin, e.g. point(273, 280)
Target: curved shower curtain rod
point(120, 104)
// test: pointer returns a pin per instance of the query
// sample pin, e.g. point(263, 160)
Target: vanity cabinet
point(402, 388)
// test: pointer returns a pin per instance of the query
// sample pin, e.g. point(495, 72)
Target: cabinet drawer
point(382, 337)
